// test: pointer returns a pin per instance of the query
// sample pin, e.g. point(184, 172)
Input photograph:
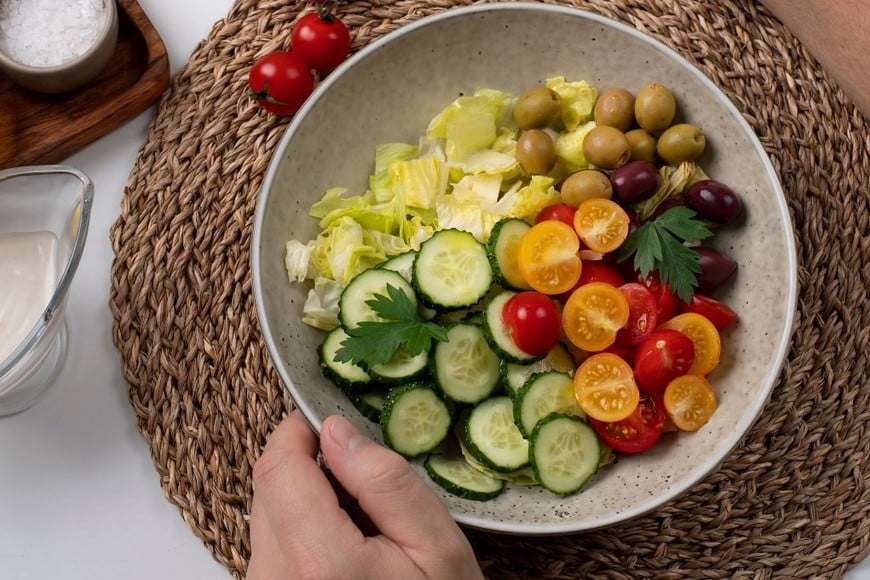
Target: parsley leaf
point(659, 245)
point(374, 342)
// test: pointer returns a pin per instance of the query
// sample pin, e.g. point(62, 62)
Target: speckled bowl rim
point(766, 385)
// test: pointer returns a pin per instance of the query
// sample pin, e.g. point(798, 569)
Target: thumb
point(395, 498)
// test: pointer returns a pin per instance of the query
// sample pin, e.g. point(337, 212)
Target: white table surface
point(79, 497)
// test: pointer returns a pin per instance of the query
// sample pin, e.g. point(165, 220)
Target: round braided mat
point(792, 499)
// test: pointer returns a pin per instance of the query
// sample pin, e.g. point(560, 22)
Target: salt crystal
point(49, 32)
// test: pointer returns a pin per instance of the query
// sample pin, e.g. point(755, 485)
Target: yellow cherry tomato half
point(604, 387)
point(593, 315)
point(601, 224)
point(705, 337)
point(547, 257)
point(690, 402)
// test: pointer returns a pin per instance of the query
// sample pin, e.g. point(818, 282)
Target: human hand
point(300, 528)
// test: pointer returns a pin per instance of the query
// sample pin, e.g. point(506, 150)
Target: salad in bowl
point(525, 279)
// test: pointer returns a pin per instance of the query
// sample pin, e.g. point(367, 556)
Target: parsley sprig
point(374, 342)
point(659, 245)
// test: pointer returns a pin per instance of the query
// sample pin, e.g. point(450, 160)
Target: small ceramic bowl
point(73, 73)
point(390, 90)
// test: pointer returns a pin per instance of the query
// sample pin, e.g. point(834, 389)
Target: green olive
point(654, 107)
point(537, 108)
point(606, 147)
point(680, 143)
point(536, 152)
point(615, 108)
point(643, 145)
point(583, 185)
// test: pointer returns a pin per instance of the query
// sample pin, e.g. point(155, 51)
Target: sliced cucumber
point(402, 263)
point(452, 270)
point(465, 367)
point(415, 420)
point(363, 287)
point(503, 247)
point(455, 475)
point(515, 375)
point(371, 403)
point(522, 476)
point(493, 438)
point(564, 452)
point(543, 394)
point(347, 376)
point(496, 333)
point(402, 368)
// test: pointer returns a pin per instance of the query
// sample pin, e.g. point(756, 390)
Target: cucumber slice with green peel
point(543, 394)
point(522, 476)
point(493, 438)
point(515, 375)
point(497, 334)
point(414, 420)
point(402, 368)
point(456, 476)
point(452, 270)
point(564, 452)
point(503, 247)
point(352, 307)
point(347, 376)
point(465, 368)
point(402, 263)
point(371, 403)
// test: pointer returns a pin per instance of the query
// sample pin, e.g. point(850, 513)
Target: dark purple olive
point(669, 203)
point(635, 181)
point(714, 201)
point(716, 267)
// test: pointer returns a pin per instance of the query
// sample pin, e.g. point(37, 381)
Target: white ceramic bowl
point(391, 89)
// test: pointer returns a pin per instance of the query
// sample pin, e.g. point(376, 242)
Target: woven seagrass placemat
point(792, 499)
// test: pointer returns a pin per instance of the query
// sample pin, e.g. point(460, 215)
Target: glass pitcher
point(44, 215)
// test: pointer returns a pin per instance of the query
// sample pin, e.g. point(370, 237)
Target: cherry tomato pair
point(281, 81)
point(548, 254)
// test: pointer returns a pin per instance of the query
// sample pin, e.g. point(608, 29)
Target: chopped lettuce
point(470, 123)
point(419, 181)
point(577, 98)
point(321, 306)
point(527, 201)
point(386, 153)
point(297, 257)
point(345, 248)
point(569, 148)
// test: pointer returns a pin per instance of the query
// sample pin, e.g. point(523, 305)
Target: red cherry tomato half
point(666, 302)
point(533, 322)
point(638, 431)
point(642, 314)
point(710, 308)
point(321, 40)
point(280, 82)
point(626, 353)
point(557, 211)
point(595, 271)
point(660, 358)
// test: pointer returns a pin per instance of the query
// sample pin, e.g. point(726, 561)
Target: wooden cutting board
point(37, 128)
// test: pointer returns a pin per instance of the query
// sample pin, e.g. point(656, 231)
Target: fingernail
point(346, 435)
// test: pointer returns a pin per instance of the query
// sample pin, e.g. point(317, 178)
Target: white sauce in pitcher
point(28, 275)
